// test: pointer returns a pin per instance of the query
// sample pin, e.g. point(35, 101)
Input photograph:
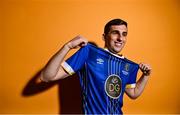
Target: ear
point(103, 37)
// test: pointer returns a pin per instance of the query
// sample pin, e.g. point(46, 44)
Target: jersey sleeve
point(76, 61)
point(132, 77)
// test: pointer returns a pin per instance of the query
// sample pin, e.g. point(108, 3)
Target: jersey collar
point(119, 56)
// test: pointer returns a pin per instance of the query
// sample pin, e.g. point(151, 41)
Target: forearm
point(140, 85)
point(133, 93)
point(53, 65)
point(53, 70)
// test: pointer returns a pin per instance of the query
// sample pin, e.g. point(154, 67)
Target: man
point(104, 75)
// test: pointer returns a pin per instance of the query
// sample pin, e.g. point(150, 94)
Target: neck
point(116, 54)
point(110, 50)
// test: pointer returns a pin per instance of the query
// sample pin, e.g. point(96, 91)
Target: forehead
point(119, 27)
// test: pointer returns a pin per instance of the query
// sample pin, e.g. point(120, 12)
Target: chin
point(117, 50)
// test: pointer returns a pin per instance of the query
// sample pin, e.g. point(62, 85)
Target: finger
point(148, 67)
point(142, 67)
point(82, 44)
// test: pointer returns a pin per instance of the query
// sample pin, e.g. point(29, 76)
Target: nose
point(119, 38)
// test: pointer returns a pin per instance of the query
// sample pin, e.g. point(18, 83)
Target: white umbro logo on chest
point(99, 61)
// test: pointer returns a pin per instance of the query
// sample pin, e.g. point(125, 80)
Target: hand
point(145, 68)
point(78, 41)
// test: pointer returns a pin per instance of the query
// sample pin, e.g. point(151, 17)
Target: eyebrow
point(118, 31)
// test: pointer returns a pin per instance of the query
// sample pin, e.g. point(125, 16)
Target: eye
point(124, 33)
point(114, 32)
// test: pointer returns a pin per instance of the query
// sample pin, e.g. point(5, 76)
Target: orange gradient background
point(33, 30)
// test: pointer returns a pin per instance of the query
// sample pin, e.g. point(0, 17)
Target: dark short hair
point(113, 22)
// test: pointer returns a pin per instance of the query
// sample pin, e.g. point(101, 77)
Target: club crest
point(126, 67)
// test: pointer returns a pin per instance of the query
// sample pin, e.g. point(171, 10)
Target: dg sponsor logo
point(113, 86)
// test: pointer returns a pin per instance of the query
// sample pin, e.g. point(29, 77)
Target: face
point(116, 38)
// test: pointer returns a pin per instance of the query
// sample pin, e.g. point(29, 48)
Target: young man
point(104, 75)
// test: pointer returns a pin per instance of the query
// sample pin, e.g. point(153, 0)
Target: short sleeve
point(132, 77)
point(76, 61)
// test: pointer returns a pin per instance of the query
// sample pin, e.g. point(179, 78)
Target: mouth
point(118, 44)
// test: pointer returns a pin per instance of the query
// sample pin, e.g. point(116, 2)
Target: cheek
point(110, 40)
point(113, 37)
point(124, 39)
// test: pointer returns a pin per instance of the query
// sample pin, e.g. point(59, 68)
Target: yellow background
point(33, 30)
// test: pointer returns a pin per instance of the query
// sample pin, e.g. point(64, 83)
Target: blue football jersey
point(103, 78)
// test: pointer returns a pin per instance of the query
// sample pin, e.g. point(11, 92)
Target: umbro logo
point(100, 61)
point(125, 72)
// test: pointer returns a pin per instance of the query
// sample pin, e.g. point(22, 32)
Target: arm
point(133, 93)
point(53, 69)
